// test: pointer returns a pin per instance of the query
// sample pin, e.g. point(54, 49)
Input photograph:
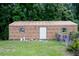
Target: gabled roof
point(19, 23)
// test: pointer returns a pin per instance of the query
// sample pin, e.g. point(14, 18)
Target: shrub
point(74, 47)
point(74, 35)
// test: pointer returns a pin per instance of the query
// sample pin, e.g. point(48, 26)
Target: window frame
point(21, 29)
point(63, 29)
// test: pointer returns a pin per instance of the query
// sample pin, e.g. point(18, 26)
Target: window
point(64, 30)
point(21, 29)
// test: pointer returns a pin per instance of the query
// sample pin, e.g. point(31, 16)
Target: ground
point(32, 48)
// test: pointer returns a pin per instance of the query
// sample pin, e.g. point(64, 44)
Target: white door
point(42, 33)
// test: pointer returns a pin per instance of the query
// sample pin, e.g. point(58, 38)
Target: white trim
point(42, 33)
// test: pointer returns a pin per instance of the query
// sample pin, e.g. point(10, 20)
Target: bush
point(74, 35)
point(74, 47)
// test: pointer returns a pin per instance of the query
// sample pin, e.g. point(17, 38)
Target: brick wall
point(32, 31)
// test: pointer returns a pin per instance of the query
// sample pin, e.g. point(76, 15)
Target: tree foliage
point(35, 12)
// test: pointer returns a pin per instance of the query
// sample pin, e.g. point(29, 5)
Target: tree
point(35, 12)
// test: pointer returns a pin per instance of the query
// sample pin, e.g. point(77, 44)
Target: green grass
point(32, 48)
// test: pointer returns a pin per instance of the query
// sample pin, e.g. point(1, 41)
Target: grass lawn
point(32, 48)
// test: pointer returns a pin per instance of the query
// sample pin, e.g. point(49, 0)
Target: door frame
point(45, 32)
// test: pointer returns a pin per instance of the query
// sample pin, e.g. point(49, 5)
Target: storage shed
point(39, 29)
